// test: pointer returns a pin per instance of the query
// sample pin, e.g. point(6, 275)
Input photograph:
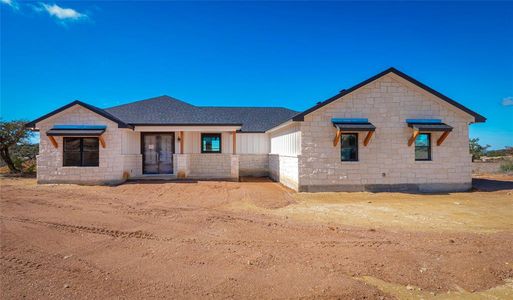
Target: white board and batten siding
point(247, 143)
point(252, 143)
point(286, 141)
point(130, 142)
point(193, 142)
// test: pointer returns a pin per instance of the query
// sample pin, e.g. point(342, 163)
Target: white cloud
point(11, 3)
point(508, 101)
point(63, 14)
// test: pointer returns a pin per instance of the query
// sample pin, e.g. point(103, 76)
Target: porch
point(194, 152)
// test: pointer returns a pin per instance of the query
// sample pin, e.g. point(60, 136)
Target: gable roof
point(158, 110)
point(477, 117)
point(165, 110)
point(90, 107)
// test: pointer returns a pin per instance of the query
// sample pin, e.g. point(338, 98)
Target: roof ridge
point(164, 97)
point(215, 106)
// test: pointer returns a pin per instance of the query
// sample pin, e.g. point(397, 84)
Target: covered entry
point(157, 151)
point(189, 151)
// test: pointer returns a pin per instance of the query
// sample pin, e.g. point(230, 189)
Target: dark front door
point(158, 149)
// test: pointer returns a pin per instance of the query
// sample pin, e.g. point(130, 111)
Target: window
point(210, 143)
point(423, 147)
point(81, 152)
point(349, 147)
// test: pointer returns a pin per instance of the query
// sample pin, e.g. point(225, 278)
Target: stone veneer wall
point(284, 169)
point(209, 165)
point(387, 163)
point(256, 165)
point(112, 164)
point(132, 165)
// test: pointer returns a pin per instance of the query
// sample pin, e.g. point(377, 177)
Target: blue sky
point(290, 54)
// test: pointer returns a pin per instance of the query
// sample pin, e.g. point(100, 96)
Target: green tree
point(476, 149)
point(12, 134)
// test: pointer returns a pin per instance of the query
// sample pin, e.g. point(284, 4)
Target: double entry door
point(158, 149)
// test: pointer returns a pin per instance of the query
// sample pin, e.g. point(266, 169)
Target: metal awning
point(431, 127)
point(353, 125)
point(76, 130)
point(428, 125)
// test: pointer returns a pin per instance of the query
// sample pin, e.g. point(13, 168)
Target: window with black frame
point(81, 152)
point(423, 147)
point(349, 147)
point(210, 143)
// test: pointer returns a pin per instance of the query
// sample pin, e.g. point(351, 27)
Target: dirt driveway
point(251, 240)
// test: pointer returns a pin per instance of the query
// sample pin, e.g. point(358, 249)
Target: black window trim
point(203, 134)
point(357, 159)
point(81, 152)
point(428, 147)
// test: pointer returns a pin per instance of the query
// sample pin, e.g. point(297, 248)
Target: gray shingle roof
point(170, 111)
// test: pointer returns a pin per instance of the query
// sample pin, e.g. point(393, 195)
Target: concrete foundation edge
point(95, 182)
point(408, 188)
point(253, 173)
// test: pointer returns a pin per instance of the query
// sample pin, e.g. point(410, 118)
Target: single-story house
point(389, 132)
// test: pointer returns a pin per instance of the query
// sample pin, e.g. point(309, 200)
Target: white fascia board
point(186, 128)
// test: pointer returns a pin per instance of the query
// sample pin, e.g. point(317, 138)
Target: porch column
point(234, 167)
point(182, 142)
point(234, 145)
point(181, 165)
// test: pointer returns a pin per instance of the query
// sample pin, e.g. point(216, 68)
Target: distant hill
point(508, 151)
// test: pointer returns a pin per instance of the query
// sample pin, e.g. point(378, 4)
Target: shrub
point(507, 167)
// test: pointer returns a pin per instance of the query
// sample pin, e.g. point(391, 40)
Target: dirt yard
point(253, 240)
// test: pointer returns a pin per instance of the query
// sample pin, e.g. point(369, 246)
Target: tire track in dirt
point(54, 262)
point(155, 212)
point(316, 244)
point(18, 265)
point(214, 242)
point(103, 231)
point(357, 243)
point(224, 218)
point(93, 230)
point(19, 269)
point(227, 219)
